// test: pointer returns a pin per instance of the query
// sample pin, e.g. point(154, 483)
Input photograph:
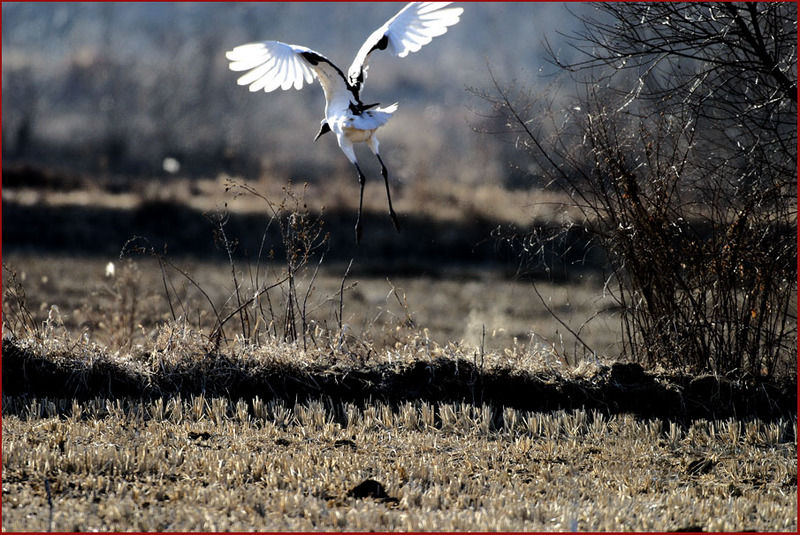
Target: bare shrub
point(682, 162)
point(292, 239)
point(302, 237)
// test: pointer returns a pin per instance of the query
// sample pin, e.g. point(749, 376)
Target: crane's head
point(324, 128)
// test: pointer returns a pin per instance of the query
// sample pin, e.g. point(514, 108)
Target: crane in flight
point(272, 64)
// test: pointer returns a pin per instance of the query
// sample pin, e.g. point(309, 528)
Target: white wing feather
point(272, 65)
point(408, 31)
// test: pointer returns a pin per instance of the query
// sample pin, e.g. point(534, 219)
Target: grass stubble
point(198, 464)
point(190, 463)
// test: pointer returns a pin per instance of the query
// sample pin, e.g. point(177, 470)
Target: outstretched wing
point(408, 31)
point(272, 65)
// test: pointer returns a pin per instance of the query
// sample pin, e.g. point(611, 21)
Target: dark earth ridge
point(620, 388)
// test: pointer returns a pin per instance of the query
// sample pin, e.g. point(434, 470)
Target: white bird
point(272, 65)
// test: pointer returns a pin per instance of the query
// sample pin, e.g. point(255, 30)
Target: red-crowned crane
point(272, 65)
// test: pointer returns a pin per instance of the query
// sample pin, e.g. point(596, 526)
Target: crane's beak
point(323, 129)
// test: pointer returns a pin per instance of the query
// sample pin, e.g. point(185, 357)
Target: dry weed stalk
point(290, 233)
point(18, 321)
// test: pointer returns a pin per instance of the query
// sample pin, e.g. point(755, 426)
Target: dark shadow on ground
point(424, 245)
point(621, 388)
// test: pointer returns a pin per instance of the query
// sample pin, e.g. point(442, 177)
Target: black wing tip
point(312, 57)
point(382, 43)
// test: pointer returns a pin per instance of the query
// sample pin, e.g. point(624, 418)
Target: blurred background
point(143, 89)
point(124, 132)
point(122, 120)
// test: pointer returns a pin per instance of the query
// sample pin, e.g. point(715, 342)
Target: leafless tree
point(681, 151)
point(729, 63)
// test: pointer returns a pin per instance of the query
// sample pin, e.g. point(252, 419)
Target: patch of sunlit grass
point(194, 464)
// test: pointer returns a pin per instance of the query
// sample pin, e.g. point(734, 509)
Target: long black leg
point(361, 181)
point(385, 174)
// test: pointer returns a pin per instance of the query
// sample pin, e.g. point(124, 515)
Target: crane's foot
point(394, 221)
point(358, 231)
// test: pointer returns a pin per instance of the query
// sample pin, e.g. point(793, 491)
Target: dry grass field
point(449, 398)
point(466, 306)
point(168, 461)
point(63, 239)
point(197, 464)
point(587, 321)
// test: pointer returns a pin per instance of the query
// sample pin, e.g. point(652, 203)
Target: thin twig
point(559, 320)
point(341, 294)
